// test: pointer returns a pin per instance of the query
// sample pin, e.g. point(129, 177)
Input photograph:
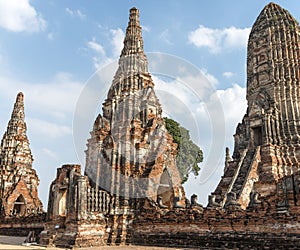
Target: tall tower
point(267, 141)
point(130, 153)
point(18, 181)
point(273, 75)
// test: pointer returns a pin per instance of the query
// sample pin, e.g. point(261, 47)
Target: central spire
point(129, 144)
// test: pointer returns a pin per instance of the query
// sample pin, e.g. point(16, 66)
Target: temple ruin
point(131, 191)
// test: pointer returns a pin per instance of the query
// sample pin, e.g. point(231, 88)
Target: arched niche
point(62, 203)
point(165, 189)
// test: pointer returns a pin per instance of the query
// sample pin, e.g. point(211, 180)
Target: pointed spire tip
point(134, 9)
point(20, 96)
point(134, 13)
point(272, 5)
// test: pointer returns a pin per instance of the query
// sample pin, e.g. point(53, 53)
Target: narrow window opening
point(257, 136)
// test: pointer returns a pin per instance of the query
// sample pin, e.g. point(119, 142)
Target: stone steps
point(241, 178)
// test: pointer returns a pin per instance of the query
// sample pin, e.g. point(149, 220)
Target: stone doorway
point(19, 206)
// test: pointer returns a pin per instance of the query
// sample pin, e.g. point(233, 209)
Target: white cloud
point(75, 13)
point(50, 36)
point(101, 59)
point(18, 16)
point(217, 40)
point(47, 129)
point(80, 14)
point(145, 28)
point(56, 98)
point(50, 153)
point(165, 37)
point(228, 74)
point(101, 62)
point(69, 11)
point(212, 79)
point(235, 37)
point(206, 37)
point(97, 47)
point(117, 41)
point(234, 101)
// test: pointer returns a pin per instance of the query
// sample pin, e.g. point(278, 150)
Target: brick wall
point(217, 229)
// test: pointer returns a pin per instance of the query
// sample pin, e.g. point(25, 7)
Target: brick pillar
point(81, 198)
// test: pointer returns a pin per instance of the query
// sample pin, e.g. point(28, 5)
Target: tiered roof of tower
point(18, 180)
point(273, 71)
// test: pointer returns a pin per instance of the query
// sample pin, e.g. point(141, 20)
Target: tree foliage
point(189, 155)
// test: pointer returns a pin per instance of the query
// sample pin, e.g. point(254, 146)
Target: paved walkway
point(15, 243)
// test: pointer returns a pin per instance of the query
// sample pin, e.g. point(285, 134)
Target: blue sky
point(50, 49)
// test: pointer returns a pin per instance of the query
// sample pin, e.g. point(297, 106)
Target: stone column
point(82, 198)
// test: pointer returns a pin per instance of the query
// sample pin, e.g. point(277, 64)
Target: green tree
point(189, 155)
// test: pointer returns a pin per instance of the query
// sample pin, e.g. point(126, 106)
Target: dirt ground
point(15, 243)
